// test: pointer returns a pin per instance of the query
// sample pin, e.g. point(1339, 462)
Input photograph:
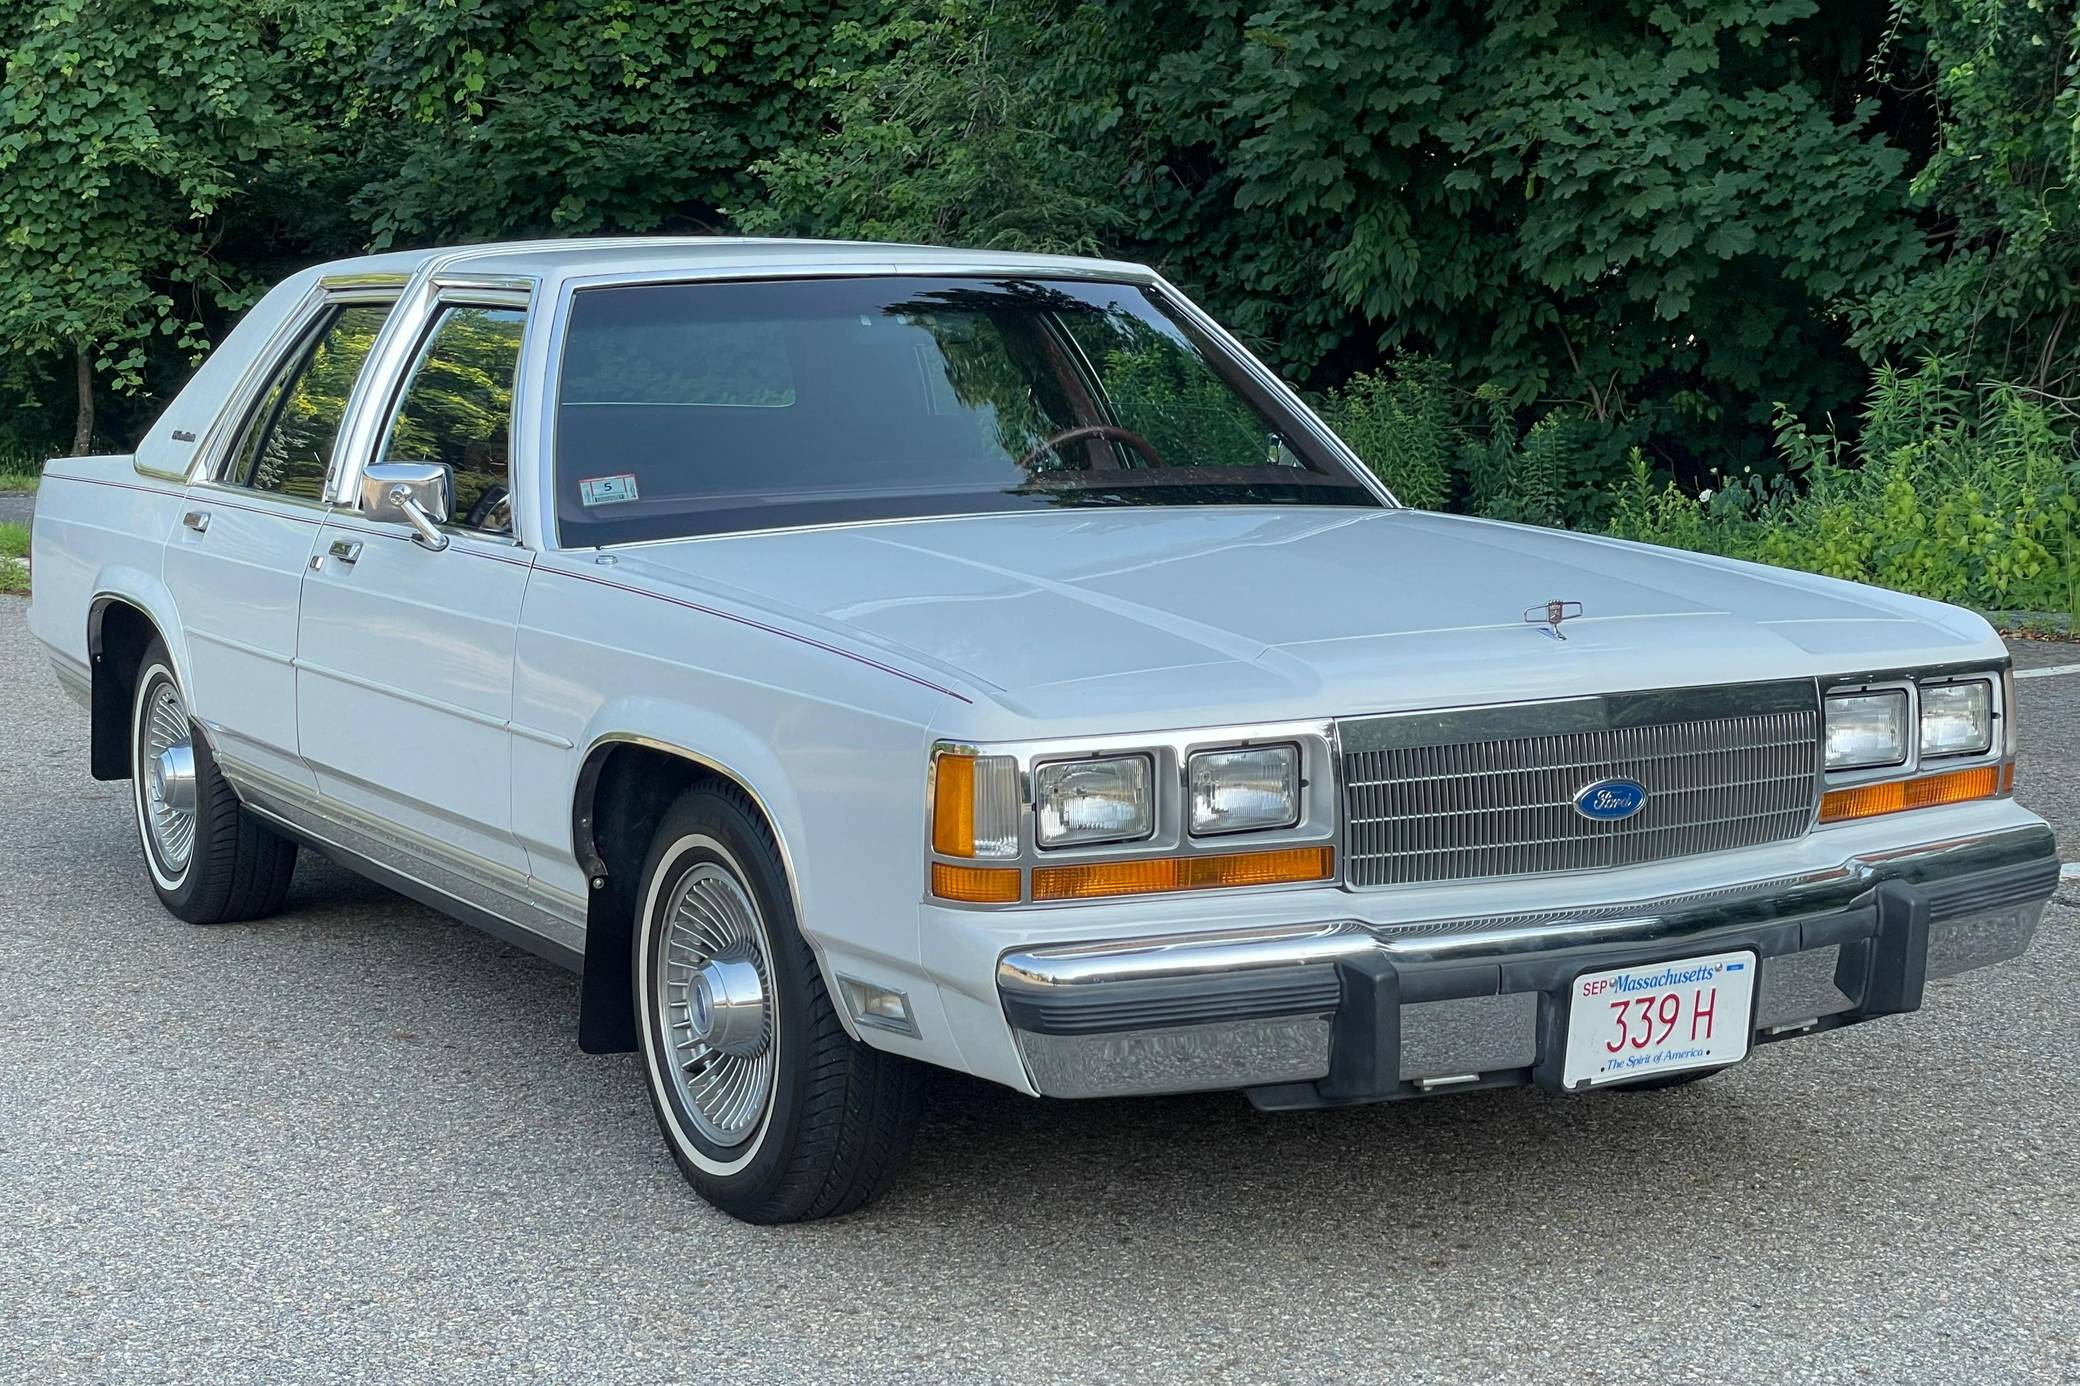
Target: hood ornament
point(1551, 615)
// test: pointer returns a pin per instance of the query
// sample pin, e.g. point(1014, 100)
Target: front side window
point(457, 410)
point(287, 443)
point(688, 409)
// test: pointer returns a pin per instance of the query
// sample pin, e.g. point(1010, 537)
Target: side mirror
point(419, 494)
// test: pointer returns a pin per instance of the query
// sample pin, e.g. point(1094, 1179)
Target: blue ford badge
point(1607, 801)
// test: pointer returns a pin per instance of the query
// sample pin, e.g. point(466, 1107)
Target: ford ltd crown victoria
point(856, 657)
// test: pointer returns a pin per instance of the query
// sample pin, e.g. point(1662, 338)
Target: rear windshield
point(691, 409)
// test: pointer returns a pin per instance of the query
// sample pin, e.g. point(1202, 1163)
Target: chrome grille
point(1444, 798)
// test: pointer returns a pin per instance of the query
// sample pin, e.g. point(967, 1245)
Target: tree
point(125, 125)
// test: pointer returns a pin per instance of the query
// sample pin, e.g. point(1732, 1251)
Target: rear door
point(404, 685)
point(238, 554)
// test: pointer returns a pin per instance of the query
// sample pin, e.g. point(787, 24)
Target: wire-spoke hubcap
point(714, 990)
point(166, 752)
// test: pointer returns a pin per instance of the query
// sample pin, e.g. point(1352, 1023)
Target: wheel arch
point(120, 627)
point(625, 784)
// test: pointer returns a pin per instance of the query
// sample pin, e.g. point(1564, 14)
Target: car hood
point(1146, 617)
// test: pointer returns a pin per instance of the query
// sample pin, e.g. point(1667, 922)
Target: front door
point(245, 537)
point(404, 685)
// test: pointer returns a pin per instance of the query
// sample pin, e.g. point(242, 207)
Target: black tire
point(837, 1116)
point(235, 867)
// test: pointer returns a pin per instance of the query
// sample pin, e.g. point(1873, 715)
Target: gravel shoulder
point(358, 1142)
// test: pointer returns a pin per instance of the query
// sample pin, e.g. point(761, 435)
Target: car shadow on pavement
point(987, 1152)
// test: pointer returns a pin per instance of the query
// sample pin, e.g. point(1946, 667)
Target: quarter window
point(287, 443)
point(457, 410)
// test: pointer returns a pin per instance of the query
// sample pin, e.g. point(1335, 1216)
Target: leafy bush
point(1965, 495)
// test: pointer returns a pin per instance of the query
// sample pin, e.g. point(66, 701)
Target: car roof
point(701, 256)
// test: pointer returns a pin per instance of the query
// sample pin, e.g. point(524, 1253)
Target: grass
point(14, 543)
point(19, 472)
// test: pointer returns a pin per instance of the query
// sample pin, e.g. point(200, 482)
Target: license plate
point(1639, 1022)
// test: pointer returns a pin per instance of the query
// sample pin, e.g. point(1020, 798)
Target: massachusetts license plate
point(1638, 1022)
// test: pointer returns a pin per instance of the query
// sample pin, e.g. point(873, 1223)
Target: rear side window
point(287, 444)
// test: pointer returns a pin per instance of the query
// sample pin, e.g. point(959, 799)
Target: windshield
point(689, 409)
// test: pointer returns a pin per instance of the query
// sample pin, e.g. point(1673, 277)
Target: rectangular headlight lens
point(1866, 729)
point(1082, 801)
point(1957, 718)
point(1245, 790)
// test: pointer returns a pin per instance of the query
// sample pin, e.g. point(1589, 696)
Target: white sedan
point(855, 657)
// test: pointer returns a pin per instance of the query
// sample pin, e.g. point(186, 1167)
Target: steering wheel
point(492, 503)
point(1106, 432)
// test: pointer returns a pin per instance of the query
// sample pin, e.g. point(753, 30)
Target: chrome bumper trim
point(1112, 1018)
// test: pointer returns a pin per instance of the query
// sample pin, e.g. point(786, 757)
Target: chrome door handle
point(197, 520)
point(347, 550)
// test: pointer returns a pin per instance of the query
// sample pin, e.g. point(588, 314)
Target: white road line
point(2070, 871)
point(2047, 671)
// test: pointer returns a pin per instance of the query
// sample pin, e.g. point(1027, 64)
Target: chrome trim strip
point(1183, 955)
point(482, 719)
point(212, 638)
point(390, 847)
point(1395, 731)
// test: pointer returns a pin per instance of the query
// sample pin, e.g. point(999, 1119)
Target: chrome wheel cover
point(166, 776)
point(713, 989)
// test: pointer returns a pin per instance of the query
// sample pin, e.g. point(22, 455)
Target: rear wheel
point(210, 860)
point(772, 1112)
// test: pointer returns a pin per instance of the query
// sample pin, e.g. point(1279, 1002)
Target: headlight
point(1957, 718)
point(1081, 801)
point(1238, 791)
point(1865, 729)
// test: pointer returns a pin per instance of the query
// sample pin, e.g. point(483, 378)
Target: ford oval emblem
point(1608, 801)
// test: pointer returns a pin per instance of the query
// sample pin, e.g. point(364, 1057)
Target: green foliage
point(14, 544)
point(952, 123)
point(1963, 495)
point(1400, 420)
point(496, 118)
point(125, 125)
point(19, 471)
point(2001, 187)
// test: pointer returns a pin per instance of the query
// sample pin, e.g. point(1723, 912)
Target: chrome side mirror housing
point(419, 494)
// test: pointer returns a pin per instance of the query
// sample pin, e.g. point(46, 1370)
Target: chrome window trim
point(569, 285)
point(339, 291)
point(384, 377)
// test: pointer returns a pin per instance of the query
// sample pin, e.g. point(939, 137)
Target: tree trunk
point(83, 421)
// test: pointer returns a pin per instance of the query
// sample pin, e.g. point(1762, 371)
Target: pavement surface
point(358, 1142)
point(17, 507)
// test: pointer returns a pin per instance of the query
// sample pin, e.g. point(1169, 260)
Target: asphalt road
point(357, 1142)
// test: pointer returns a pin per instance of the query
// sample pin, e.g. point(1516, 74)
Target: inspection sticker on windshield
point(607, 490)
point(1641, 1022)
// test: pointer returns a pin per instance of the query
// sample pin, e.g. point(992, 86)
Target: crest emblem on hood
point(1551, 615)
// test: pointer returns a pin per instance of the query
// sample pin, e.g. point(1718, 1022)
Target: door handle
point(347, 550)
point(197, 520)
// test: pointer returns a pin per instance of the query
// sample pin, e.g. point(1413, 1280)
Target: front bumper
point(1343, 1011)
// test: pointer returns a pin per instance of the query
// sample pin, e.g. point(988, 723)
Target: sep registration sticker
point(607, 490)
point(1641, 1022)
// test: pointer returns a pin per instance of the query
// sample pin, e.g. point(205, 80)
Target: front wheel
point(772, 1112)
point(210, 861)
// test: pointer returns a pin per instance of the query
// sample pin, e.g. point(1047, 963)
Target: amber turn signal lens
point(978, 885)
point(953, 809)
point(1896, 796)
point(1282, 867)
